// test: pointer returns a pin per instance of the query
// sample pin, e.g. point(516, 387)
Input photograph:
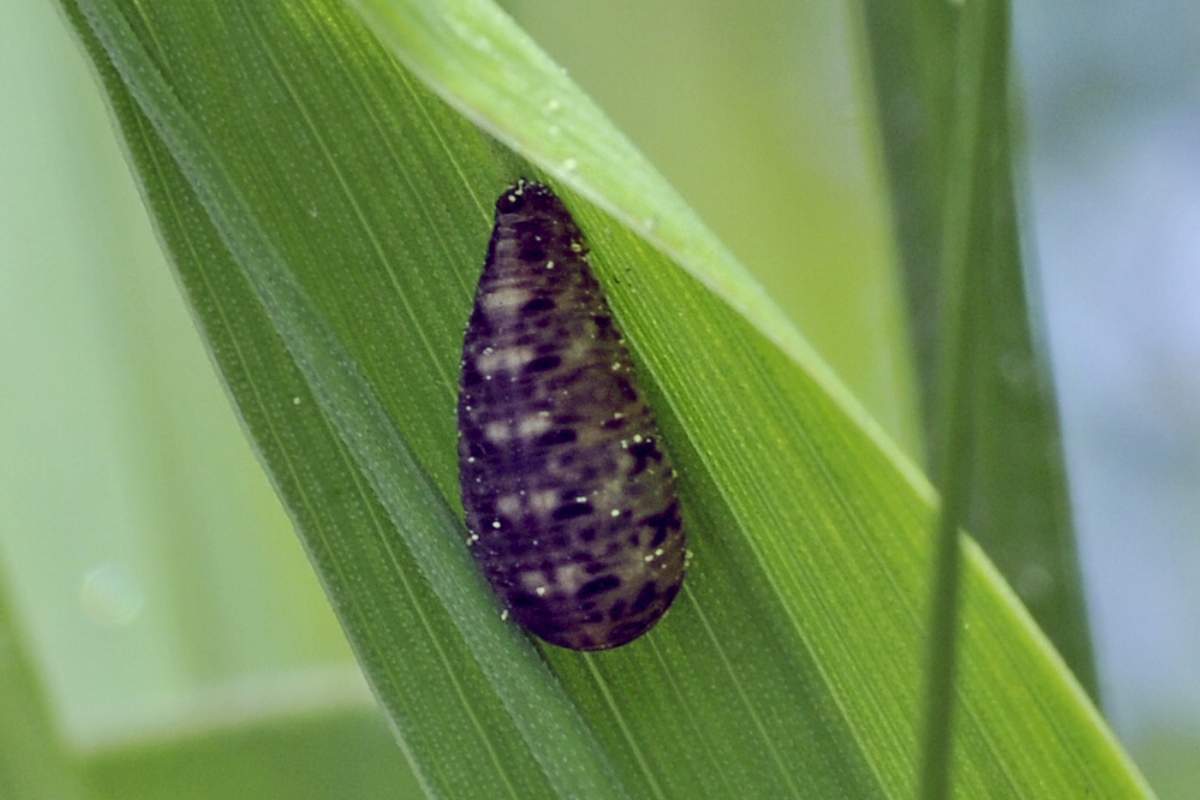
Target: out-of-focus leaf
point(33, 762)
point(346, 753)
point(1019, 504)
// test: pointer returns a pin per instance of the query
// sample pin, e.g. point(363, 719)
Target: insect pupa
point(570, 497)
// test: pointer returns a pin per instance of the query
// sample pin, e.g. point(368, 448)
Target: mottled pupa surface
point(570, 498)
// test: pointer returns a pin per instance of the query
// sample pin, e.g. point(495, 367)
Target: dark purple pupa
point(570, 497)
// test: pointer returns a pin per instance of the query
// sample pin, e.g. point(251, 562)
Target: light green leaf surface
point(327, 215)
point(144, 547)
point(345, 752)
point(33, 762)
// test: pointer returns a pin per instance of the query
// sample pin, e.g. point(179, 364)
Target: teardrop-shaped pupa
point(569, 494)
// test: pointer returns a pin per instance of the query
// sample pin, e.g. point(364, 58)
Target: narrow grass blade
point(966, 213)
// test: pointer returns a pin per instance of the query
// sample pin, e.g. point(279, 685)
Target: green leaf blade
point(384, 468)
point(794, 651)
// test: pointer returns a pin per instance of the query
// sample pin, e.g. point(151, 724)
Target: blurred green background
point(127, 487)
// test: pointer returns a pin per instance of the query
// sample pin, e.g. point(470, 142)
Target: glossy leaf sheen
point(328, 218)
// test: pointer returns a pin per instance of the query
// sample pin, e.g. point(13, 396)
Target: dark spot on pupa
point(605, 583)
point(470, 376)
point(533, 252)
point(537, 304)
point(626, 389)
point(573, 510)
point(523, 599)
point(643, 452)
point(645, 598)
point(663, 522)
point(556, 436)
point(543, 363)
point(617, 611)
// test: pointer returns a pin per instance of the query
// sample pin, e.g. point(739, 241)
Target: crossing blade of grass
point(328, 217)
point(1020, 505)
point(966, 212)
point(909, 47)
